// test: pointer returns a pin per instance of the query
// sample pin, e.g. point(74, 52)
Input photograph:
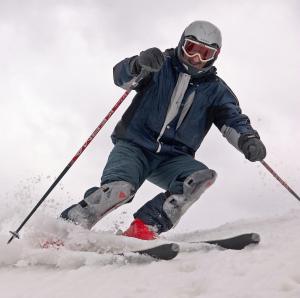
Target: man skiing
point(177, 101)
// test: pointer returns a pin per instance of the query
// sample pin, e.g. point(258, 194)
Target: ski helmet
point(204, 32)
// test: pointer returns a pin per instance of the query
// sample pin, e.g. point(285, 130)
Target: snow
point(86, 266)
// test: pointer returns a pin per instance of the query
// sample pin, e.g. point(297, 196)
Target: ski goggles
point(194, 48)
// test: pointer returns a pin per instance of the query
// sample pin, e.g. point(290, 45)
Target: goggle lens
point(193, 48)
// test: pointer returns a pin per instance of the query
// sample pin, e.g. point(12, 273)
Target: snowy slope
point(271, 269)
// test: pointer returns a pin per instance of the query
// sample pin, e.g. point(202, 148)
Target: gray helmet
point(205, 32)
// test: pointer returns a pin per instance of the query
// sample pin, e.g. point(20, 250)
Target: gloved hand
point(150, 60)
point(252, 147)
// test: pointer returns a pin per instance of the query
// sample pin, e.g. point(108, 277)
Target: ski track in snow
point(271, 269)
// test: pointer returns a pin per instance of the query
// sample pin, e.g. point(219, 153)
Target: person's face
point(194, 61)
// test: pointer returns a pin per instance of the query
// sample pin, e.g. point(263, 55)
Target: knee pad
point(193, 187)
point(100, 202)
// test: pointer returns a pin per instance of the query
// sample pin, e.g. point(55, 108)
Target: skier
point(177, 101)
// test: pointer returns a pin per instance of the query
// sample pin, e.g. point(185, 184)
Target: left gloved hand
point(252, 147)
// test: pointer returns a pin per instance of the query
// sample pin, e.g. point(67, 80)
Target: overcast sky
point(56, 60)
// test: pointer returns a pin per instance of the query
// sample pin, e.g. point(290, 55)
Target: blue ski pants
point(131, 163)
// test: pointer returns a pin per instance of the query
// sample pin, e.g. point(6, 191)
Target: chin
point(195, 65)
point(199, 67)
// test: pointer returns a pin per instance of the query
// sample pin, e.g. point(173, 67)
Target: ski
point(238, 242)
point(169, 251)
point(166, 251)
point(160, 252)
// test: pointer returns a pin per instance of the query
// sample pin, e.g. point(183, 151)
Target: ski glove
point(150, 60)
point(252, 147)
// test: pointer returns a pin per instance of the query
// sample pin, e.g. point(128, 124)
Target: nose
point(196, 59)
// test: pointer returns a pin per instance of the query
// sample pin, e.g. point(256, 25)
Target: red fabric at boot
point(140, 230)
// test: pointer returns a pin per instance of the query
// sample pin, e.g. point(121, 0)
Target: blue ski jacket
point(172, 111)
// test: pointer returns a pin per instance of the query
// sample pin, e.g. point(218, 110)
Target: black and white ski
point(170, 250)
point(166, 251)
point(237, 243)
point(161, 252)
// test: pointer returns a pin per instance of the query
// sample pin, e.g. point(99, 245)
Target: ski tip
point(238, 242)
point(175, 247)
point(168, 251)
point(255, 237)
point(161, 252)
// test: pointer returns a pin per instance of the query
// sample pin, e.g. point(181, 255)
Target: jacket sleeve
point(228, 116)
point(124, 74)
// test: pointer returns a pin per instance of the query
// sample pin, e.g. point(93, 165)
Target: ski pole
point(279, 179)
point(15, 234)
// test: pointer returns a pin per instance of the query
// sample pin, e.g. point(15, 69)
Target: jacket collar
point(179, 67)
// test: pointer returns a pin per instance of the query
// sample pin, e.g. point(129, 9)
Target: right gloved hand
point(150, 60)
